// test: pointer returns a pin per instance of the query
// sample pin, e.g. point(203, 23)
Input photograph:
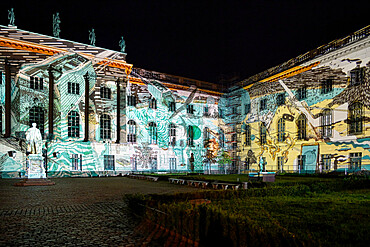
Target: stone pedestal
point(36, 166)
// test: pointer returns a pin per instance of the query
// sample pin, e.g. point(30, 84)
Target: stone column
point(8, 100)
point(118, 112)
point(51, 103)
point(86, 76)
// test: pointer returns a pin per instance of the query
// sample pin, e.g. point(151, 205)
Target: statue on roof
point(92, 37)
point(56, 27)
point(122, 44)
point(11, 17)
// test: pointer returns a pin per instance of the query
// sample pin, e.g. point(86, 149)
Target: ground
point(74, 212)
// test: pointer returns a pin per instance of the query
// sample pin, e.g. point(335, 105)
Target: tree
point(224, 159)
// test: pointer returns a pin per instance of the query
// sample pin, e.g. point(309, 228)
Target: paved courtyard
point(74, 212)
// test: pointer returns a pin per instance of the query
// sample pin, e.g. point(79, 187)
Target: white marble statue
point(34, 140)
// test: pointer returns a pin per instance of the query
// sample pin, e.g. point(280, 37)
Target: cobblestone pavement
point(74, 212)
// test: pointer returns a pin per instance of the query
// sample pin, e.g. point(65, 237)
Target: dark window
point(153, 133)
point(263, 104)
point(234, 141)
point(233, 110)
point(301, 162)
point(76, 160)
point(247, 108)
point(247, 163)
point(281, 130)
point(302, 127)
point(153, 163)
point(222, 138)
point(172, 106)
point(280, 99)
point(105, 93)
point(206, 111)
point(172, 162)
point(355, 161)
point(301, 93)
point(190, 136)
point(153, 103)
point(131, 135)
point(105, 127)
point(326, 161)
point(326, 86)
point(247, 135)
point(73, 124)
point(37, 116)
point(206, 134)
point(73, 88)
point(355, 118)
point(190, 109)
point(280, 163)
point(326, 123)
point(109, 162)
point(172, 134)
point(36, 83)
point(131, 100)
point(357, 76)
point(262, 133)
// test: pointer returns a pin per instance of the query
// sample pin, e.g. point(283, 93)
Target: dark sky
point(198, 39)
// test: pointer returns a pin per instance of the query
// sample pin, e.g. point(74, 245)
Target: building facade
point(100, 115)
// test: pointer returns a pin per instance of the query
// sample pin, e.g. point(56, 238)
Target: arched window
point(153, 103)
point(105, 93)
point(105, 126)
point(355, 118)
point(326, 122)
point(247, 135)
point(131, 134)
point(172, 134)
point(73, 124)
point(152, 133)
point(190, 136)
point(262, 133)
point(36, 115)
point(302, 127)
point(281, 130)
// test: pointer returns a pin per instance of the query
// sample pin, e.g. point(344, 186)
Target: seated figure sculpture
point(34, 140)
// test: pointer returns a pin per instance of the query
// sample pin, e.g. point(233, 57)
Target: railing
point(321, 50)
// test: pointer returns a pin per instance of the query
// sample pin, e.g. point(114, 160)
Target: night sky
point(201, 39)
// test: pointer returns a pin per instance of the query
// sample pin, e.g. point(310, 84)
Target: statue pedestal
point(36, 166)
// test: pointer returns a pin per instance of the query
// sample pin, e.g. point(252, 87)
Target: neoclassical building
point(100, 115)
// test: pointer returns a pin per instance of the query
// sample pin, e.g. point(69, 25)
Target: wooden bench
point(225, 186)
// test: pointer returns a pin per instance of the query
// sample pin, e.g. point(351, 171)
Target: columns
point(8, 100)
point(51, 103)
point(118, 112)
point(86, 136)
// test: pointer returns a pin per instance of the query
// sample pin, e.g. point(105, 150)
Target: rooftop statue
point(11, 17)
point(34, 140)
point(92, 37)
point(56, 27)
point(122, 44)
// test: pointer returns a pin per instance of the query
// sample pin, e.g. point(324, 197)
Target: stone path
point(74, 212)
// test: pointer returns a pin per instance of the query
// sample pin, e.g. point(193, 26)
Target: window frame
point(326, 123)
point(131, 131)
point(172, 134)
point(301, 93)
point(73, 88)
point(105, 92)
point(190, 137)
point(281, 126)
point(152, 103)
point(280, 99)
point(153, 133)
point(355, 161)
point(326, 86)
point(109, 162)
point(248, 134)
point(131, 100)
point(263, 134)
point(73, 120)
point(263, 104)
point(76, 161)
point(302, 127)
point(105, 127)
point(355, 118)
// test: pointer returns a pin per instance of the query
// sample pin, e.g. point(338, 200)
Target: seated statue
point(34, 140)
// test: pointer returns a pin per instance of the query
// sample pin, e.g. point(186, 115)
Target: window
point(281, 130)
point(206, 110)
point(355, 161)
point(280, 163)
point(262, 133)
point(1, 77)
point(247, 108)
point(301, 93)
point(153, 103)
point(105, 126)
point(263, 104)
point(109, 162)
point(133, 161)
point(1, 118)
point(73, 88)
point(355, 118)
point(36, 83)
point(190, 109)
point(131, 100)
point(73, 124)
point(206, 134)
point(280, 99)
point(301, 162)
point(76, 161)
point(37, 116)
point(172, 134)
point(190, 136)
point(105, 93)
point(247, 135)
point(233, 110)
point(301, 125)
point(152, 133)
point(357, 76)
point(326, 86)
point(234, 141)
point(247, 163)
point(172, 106)
point(220, 113)
point(222, 138)
point(172, 162)
point(326, 123)
point(153, 163)
point(325, 158)
point(131, 135)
